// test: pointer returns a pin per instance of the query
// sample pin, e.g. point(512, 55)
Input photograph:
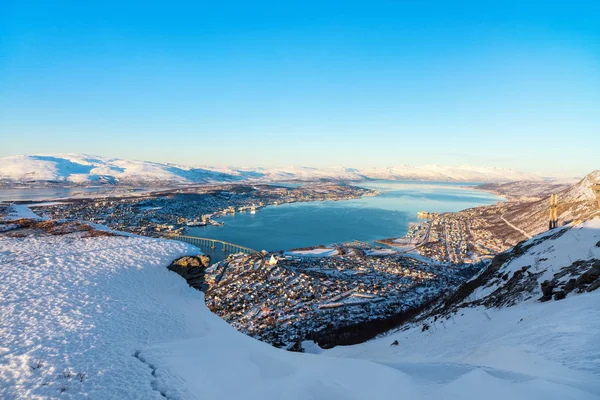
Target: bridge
point(215, 244)
point(226, 248)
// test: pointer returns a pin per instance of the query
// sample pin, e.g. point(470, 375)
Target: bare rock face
point(192, 268)
point(590, 275)
point(594, 285)
point(586, 277)
point(205, 260)
point(547, 288)
point(296, 346)
point(187, 261)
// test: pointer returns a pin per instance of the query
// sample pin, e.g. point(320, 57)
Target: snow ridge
point(83, 169)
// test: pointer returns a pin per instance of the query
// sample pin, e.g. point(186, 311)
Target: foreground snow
point(108, 308)
point(84, 305)
point(542, 344)
point(555, 341)
point(17, 211)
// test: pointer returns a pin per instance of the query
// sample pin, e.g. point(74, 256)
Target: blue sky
point(375, 83)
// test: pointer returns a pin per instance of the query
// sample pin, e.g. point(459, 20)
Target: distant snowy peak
point(464, 173)
point(83, 169)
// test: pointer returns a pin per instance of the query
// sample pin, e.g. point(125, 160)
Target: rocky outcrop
point(192, 269)
point(584, 277)
point(590, 275)
point(547, 289)
point(296, 347)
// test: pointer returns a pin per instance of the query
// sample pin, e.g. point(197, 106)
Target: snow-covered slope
point(103, 318)
point(582, 191)
point(84, 169)
point(534, 310)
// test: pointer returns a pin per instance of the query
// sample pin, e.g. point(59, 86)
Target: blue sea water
point(369, 218)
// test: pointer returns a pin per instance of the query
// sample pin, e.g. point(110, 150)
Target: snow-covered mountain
point(82, 169)
point(85, 169)
point(463, 173)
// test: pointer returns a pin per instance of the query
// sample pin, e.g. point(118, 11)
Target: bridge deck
point(212, 243)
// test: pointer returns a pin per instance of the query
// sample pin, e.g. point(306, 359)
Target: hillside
point(524, 190)
point(574, 202)
point(90, 315)
point(495, 228)
point(533, 310)
point(81, 169)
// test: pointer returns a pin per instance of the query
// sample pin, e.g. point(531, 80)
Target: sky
point(315, 83)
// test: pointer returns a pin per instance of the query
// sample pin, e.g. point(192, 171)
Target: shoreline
point(127, 192)
point(417, 242)
point(379, 243)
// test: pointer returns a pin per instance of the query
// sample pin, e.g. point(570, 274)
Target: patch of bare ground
point(320, 246)
point(24, 227)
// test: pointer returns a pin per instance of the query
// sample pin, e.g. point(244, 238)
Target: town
point(465, 237)
point(285, 298)
point(173, 211)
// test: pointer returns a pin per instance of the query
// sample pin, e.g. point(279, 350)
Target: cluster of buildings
point(457, 238)
point(285, 298)
point(175, 210)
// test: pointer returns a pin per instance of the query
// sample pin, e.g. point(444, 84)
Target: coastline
point(381, 241)
point(221, 203)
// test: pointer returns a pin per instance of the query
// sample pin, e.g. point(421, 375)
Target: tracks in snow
point(153, 383)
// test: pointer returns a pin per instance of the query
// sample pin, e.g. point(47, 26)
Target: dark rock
point(547, 288)
point(594, 285)
point(559, 295)
point(570, 285)
point(191, 268)
point(395, 343)
point(589, 276)
point(296, 347)
point(425, 327)
point(598, 244)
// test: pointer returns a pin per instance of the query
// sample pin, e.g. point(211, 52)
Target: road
point(515, 227)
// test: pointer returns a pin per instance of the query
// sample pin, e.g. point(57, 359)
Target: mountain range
point(83, 169)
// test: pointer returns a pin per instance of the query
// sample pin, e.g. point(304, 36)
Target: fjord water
point(387, 215)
